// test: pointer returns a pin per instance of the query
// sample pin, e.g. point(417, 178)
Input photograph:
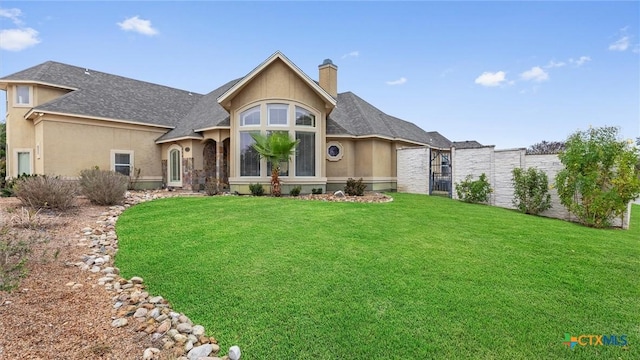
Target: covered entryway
point(216, 162)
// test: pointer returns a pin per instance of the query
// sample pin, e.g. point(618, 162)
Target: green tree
point(276, 147)
point(600, 175)
point(530, 190)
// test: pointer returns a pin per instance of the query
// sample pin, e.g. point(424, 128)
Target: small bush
point(474, 191)
point(355, 187)
point(211, 186)
point(44, 191)
point(256, 189)
point(103, 187)
point(317, 191)
point(295, 191)
point(530, 190)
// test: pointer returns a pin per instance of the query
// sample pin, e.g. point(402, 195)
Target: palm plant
point(276, 147)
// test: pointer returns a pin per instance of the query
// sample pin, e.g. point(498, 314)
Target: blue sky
point(508, 74)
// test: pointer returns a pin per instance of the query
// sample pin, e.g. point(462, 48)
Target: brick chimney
point(328, 77)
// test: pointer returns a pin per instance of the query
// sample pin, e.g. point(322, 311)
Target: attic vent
point(86, 72)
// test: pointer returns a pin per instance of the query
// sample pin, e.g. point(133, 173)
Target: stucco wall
point(69, 146)
point(413, 170)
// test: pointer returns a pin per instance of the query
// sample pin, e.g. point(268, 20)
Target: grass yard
point(420, 277)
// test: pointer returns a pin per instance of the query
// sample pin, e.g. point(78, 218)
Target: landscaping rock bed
point(59, 312)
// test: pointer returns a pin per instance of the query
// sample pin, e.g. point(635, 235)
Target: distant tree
point(546, 147)
point(599, 176)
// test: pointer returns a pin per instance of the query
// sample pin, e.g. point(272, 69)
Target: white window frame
point(131, 159)
point(17, 103)
point(338, 145)
point(291, 128)
point(278, 106)
point(177, 183)
point(250, 111)
point(16, 153)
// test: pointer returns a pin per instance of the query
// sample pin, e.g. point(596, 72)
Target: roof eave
point(40, 112)
point(34, 82)
point(187, 137)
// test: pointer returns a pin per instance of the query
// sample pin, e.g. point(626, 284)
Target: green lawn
point(419, 277)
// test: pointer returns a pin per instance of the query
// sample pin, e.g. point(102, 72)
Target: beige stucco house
point(62, 119)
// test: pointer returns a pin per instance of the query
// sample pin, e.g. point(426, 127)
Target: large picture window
point(306, 154)
point(249, 157)
point(296, 121)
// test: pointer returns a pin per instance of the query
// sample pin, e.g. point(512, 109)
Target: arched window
point(175, 166)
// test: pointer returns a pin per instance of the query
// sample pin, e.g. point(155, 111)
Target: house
point(63, 119)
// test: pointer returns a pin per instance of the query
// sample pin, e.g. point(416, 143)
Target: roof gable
point(243, 82)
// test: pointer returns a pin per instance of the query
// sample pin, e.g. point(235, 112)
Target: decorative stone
point(184, 328)
point(339, 194)
point(199, 351)
point(156, 299)
point(117, 323)
point(198, 330)
point(137, 280)
point(164, 327)
point(180, 338)
point(188, 346)
point(141, 312)
point(76, 286)
point(149, 353)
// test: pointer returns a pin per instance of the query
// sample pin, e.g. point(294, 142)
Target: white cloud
point(621, 44)
point(18, 39)
point(536, 74)
point(581, 60)
point(491, 79)
point(351, 54)
point(400, 81)
point(553, 64)
point(138, 25)
point(13, 14)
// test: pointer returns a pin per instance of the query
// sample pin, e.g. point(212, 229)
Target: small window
point(23, 95)
point(278, 114)
point(304, 117)
point(250, 117)
point(334, 151)
point(122, 162)
point(24, 162)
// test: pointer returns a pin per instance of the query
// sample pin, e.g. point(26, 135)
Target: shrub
point(15, 246)
point(531, 190)
point(133, 179)
point(474, 191)
point(295, 191)
point(103, 187)
point(599, 177)
point(256, 189)
point(354, 187)
point(317, 191)
point(211, 186)
point(46, 192)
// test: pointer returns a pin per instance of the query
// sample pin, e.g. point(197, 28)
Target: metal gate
point(440, 173)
